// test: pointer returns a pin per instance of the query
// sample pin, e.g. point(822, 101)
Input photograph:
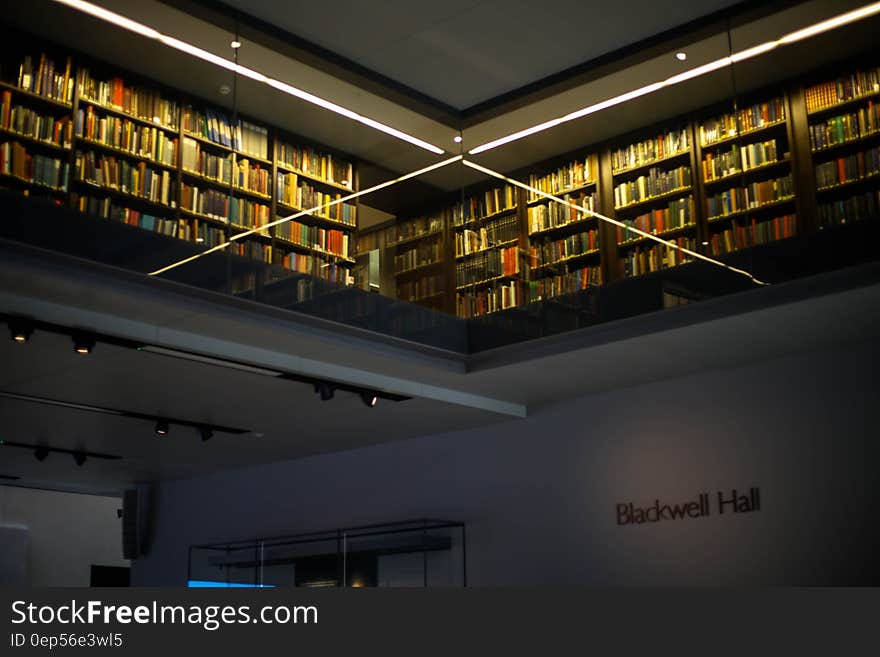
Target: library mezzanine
point(598, 322)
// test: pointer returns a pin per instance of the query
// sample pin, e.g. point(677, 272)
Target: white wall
point(538, 495)
point(68, 533)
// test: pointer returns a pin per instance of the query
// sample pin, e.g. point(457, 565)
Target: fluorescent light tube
point(195, 51)
point(812, 30)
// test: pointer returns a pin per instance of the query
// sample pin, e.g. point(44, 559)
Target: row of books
point(489, 202)
point(421, 288)
point(846, 127)
point(573, 245)
point(845, 87)
point(643, 260)
point(737, 159)
point(677, 214)
point(300, 262)
point(854, 208)
point(554, 214)
point(215, 126)
point(251, 249)
point(476, 303)
point(649, 150)
point(220, 206)
point(419, 256)
point(417, 227)
point(29, 123)
point(745, 234)
point(292, 192)
point(752, 196)
point(655, 183)
point(493, 233)
point(571, 176)
point(145, 104)
point(15, 160)
point(140, 140)
point(317, 164)
point(135, 179)
point(489, 300)
point(188, 230)
point(487, 265)
point(46, 80)
point(574, 281)
point(744, 120)
point(334, 242)
point(195, 159)
point(853, 167)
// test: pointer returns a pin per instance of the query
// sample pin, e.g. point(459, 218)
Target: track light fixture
point(79, 458)
point(41, 453)
point(369, 398)
point(207, 433)
point(325, 390)
point(83, 344)
point(162, 427)
point(20, 330)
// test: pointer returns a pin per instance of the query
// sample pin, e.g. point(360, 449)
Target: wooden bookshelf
point(115, 114)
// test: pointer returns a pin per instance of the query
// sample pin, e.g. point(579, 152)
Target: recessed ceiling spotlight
point(705, 243)
point(369, 398)
point(224, 89)
point(199, 240)
point(83, 344)
point(457, 139)
point(162, 427)
point(79, 458)
point(236, 44)
point(681, 56)
point(20, 331)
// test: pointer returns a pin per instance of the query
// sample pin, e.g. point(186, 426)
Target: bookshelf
point(124, 148)
point(490, 274)
point(746, 175)
point(843, 117)
point(654, 191)
point(36, 98)
point(793, 160)
point(564, 254)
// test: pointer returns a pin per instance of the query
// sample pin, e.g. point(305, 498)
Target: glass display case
point(418, 553)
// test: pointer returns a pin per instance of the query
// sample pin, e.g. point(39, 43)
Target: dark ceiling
point(465, 52)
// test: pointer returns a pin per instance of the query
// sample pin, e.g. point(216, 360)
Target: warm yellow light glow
point(183, 46)
point(812, 30)
point(602, 217)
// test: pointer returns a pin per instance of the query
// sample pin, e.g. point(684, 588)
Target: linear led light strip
point(183, 46)
point(317, 208)
point(812, 30)
point(580, 208)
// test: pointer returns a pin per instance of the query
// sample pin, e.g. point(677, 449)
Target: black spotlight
point(369, 398)
point(41, 453)
point(162, 427)
point(207, 433)
point(83, 344)
point(325, 390)
point(80, 458)
point(20, 331)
